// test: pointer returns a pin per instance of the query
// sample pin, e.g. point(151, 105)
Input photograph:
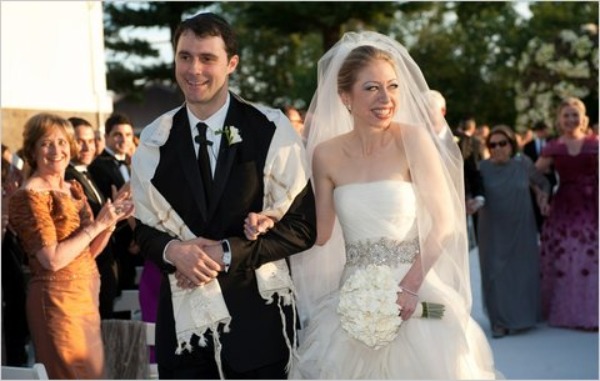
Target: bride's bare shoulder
point(331, 148)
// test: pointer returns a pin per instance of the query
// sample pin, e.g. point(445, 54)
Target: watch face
point(225, 246)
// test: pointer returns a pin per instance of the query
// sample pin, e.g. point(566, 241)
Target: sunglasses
point(501, 143)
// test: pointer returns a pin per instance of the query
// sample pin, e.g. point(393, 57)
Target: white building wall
point(52, 56)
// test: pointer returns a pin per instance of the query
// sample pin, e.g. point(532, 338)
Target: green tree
point(550, 17)
point(129, 68)
point(551, 70)
point(550, 23)
point(282, 41)
point(466, 51)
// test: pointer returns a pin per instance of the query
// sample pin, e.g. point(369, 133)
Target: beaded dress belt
point(382, 251)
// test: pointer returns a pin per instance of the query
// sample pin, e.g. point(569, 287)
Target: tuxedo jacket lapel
point(226, 157)
point(187, 157)
point(93, 194)
point(113, 166)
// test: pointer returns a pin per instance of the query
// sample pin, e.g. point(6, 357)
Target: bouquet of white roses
point(368, 309)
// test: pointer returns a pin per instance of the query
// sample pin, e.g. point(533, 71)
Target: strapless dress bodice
point(378, 220)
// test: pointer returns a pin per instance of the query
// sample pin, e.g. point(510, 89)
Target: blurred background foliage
point(470, 51)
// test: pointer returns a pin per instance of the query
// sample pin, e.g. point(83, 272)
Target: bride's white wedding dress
point(378, 220)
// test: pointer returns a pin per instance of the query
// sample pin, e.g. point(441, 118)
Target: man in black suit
point(111, 169)
point(472, 152)
point(198, 172)
point(533, 149)
point(78, 170)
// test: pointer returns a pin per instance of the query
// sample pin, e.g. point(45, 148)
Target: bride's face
point(374, 95)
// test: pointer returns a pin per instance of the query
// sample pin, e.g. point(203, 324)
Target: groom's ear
point(233, 62)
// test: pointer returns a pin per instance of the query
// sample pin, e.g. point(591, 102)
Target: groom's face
point(202, 70)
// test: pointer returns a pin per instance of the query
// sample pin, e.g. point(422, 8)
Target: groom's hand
point(192, 260)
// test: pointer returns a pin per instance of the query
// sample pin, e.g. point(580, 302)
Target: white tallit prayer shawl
point(203, 309)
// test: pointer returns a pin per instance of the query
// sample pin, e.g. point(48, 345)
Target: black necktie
point(204, 160)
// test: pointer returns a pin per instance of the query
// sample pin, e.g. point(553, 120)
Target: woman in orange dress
point(55, 225)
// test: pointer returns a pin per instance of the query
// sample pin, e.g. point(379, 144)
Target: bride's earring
point(349, 107)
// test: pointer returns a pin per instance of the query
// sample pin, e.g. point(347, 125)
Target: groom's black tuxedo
point(255, 339)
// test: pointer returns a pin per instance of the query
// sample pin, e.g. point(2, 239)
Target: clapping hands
point(119, 209)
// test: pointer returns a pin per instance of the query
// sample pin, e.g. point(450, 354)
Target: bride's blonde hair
point(357, 59)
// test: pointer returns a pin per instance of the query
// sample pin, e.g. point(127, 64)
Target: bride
point(393, 179)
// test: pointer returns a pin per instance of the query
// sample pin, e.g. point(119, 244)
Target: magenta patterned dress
point(569, 253)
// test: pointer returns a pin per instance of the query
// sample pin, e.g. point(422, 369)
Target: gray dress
point(508, 243)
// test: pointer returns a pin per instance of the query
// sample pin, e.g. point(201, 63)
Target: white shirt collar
point(215, 122)
point(80, 167)
point(117, 156)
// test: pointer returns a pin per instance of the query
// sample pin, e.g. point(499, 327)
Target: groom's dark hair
point(209, 24)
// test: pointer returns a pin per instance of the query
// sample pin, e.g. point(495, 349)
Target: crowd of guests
point(71, 244)
point(536, 221)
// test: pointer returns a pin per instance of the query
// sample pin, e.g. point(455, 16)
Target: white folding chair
point(36, 372)
point(138, 274)
point(129, 300)
point(151, 340)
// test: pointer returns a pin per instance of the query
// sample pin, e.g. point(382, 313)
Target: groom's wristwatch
point(226, 254)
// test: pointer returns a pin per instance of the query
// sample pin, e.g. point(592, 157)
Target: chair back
point(126, 351)
point(129, 301)
point(36, 372)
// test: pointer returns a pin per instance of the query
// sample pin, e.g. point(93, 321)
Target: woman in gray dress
point(508, 242)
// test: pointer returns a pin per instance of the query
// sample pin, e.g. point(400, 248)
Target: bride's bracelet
point(409, 292)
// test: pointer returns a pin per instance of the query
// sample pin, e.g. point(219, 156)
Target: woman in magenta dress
point(569, 254)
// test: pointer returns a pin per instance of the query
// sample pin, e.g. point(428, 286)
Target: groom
point(197, 173)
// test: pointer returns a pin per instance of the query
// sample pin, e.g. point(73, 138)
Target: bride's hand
point(256, 224)
point(407, 303)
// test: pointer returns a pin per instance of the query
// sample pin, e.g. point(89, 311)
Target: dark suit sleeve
point(152, 243)
point(473, 182)
point(294, 233)
point(101, 177)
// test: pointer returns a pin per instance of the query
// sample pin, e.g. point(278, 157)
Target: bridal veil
point(435, 164)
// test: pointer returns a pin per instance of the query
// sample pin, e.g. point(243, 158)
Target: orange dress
point(62, 306)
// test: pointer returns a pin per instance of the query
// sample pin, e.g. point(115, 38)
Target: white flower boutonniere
point(232, 135)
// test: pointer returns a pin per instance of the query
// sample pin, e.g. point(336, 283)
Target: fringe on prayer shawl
point(203, 309)
point(274, 278)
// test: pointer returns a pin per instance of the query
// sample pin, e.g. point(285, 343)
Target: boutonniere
point(232, 135)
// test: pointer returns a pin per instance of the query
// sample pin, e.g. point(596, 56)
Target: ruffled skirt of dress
point(453, 347)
